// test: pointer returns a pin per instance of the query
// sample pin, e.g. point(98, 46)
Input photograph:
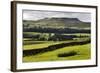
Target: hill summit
point(57, 23)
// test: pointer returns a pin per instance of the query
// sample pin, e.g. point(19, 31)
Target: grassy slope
point(41, 45)
point(77, 34)
point(82, 50)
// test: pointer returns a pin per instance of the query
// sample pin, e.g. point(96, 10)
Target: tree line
point(56, 30)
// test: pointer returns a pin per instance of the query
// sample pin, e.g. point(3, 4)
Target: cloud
point(36, 15)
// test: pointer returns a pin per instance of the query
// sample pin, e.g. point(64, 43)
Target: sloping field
point(82, 52)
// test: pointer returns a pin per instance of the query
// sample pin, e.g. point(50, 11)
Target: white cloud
point(36, 15)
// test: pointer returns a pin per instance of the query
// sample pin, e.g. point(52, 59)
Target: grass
point(83, 52)
point(27, 45)
point(43, 44)
point(77, 34)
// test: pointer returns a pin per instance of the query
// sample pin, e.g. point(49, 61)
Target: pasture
point(36, 41)
point(83, 52)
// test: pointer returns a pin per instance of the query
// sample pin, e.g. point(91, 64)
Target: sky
point(36, 15)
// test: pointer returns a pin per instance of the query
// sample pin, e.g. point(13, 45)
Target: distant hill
point(57, 23)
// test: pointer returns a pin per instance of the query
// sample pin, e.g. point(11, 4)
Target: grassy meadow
point(73, 52)
point(83, 52)
point(56, 38)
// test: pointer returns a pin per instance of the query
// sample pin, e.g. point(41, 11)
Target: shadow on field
point(52, 48)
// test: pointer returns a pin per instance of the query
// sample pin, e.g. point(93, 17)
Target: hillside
point(57, 23)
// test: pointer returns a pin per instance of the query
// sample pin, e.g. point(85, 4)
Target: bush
point(71, 53)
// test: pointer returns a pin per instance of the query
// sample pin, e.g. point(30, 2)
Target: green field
point(56, 38)
point(83, 52)
point(41, 44)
